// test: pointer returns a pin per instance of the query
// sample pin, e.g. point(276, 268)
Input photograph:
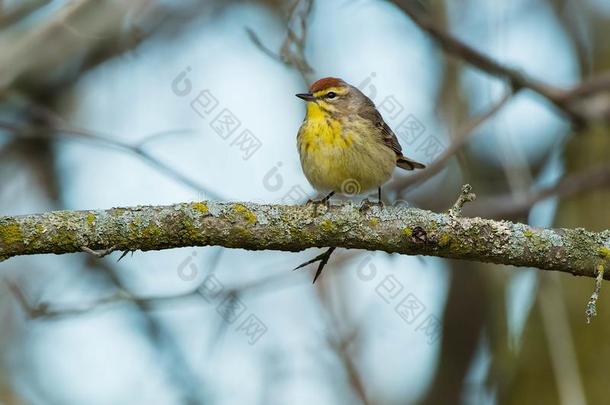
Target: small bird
point(344, 144)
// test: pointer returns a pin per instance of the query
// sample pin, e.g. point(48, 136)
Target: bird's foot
point(316, 203)
point(367, 204)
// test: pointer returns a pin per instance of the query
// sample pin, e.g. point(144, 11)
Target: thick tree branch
point(294, 228)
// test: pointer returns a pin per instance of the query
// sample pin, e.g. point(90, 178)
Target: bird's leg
point(326, 199)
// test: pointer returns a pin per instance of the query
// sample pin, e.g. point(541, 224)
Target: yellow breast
point(333, 153)
point(321, 131)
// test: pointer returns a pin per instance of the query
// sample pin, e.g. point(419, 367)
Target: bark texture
point(293, 228)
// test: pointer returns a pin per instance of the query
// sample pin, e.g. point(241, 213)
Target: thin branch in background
point(454, 46)
point(592, 97)
point(457, 143)
point(156, 136)
point(44, 310)
point(229, 301)
point(21, 299)
point(343, 336)
point(19, 10)
point(560, 342)
point(513, 206)
point(292, 51)
point(47, 310)
point(262, 47)
point(590, 86)
point(178, 368)
point(82, 35)
point(137, 150)
point(272, 283)
point(562, 99)
point(341, 346)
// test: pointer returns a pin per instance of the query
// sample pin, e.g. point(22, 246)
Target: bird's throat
point(315, 112)
point(322, 131)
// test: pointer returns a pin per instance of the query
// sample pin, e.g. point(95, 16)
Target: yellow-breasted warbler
point(344, 144)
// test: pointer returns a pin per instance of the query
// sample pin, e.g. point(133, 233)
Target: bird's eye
point(331, 94)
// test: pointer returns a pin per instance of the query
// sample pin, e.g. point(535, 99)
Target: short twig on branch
point(465, 196)
point(591, 310)
point(322, 258)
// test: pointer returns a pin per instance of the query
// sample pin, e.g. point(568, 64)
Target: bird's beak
point(305, 96)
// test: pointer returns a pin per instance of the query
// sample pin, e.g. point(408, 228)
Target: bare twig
point(90, 136)
point(322, 258)
point(46, 311)
point(589, 87)
point(261, 46)
point(341, 345)
point(465, 196)
point(562, 352)
point(511, 205)
point(343, 336)
point(19, 10)
point(82, 34)
point(457, 142)
point(591, 310)
point(516, 78)
point(292, 51)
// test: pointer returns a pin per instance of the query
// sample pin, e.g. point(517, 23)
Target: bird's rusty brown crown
point(326, 83)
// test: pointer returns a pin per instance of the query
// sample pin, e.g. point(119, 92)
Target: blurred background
point(115, 103)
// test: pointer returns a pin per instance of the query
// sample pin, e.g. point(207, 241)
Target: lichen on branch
point(293, 228)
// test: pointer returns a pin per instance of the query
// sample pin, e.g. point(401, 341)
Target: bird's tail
point(408, 164)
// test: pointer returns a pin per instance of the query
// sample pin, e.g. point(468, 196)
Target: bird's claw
point(367, 204)
point(317, 203)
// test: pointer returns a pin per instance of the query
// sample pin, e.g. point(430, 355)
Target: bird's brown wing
point(387, 135)
point(389, 139)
